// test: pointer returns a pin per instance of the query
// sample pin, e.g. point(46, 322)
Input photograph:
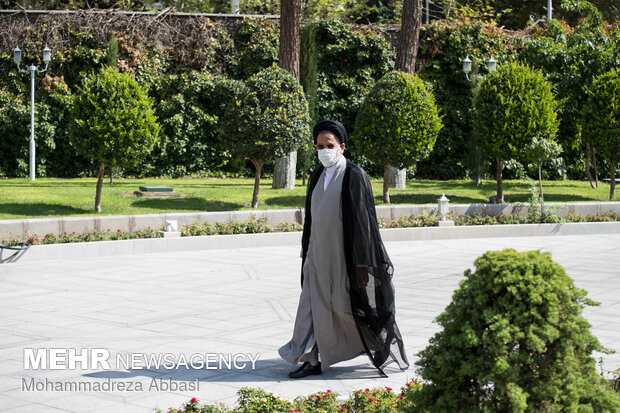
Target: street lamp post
point(475, 80)
point(17, 57)
point(467, 67)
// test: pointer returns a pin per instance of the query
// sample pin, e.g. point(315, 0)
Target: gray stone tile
point(243, 301)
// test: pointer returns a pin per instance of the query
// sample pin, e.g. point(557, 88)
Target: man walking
point(346, 307)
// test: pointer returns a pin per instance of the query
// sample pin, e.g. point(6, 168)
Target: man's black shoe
point(306, 369)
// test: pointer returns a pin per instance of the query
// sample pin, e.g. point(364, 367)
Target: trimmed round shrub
point(602, 120)
point(113, 122)
point(514, 340)
point(398, 122)
point(514, 105)
point(267, 119)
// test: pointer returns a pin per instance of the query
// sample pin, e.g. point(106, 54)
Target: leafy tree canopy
point(398, 122)
point(602, 119)
point(515, 104)
point(113, 119)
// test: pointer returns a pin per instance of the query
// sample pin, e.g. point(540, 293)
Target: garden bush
point(267, 119)
point(189, 112)
point(602, 121)
point(15, 135)
point(443, 46)
point(514, 339)
point(113, 122)
point(397, 124)
point(515, 104)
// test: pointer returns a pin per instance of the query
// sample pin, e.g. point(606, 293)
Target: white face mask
point(329, 157)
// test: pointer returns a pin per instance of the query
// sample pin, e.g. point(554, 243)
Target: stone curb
point(41, 253)
point(23, 228)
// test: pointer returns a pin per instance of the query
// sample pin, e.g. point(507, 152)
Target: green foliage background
point(346, 62)
point(190, 107)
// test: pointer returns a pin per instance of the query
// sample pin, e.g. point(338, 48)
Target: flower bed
point(377, 400)
point(480, 219)
point(73, 237)
point(259, 225)
point(252, 226)
point(547, 218)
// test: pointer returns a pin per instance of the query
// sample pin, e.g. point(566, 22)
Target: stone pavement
point(233, 302)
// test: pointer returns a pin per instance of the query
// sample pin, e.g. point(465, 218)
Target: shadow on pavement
point(270, 370)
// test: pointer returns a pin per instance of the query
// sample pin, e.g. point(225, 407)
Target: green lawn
point(49, 197)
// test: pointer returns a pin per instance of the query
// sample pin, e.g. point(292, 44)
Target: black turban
point(332, 126)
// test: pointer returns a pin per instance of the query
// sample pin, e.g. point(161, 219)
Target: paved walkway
point(234, 302)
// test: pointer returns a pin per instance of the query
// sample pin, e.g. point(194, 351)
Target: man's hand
point(361, 276)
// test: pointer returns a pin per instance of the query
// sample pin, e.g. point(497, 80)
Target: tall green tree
point(397, 124)
point(268, 118)
point(406, 55)
point(288, 59)
point(113, 122)
point(571, 58)
point(602, 121)
point(514, 105)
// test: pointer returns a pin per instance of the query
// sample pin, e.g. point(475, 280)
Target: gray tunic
point(324, 313)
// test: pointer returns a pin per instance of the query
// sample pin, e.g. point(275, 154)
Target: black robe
point(372, 306)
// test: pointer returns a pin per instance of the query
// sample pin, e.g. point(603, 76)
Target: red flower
point(329, 391)
point(389, 388)
point(193, 400)
point(370, 399)
point(118, 230)
point(366, 391)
